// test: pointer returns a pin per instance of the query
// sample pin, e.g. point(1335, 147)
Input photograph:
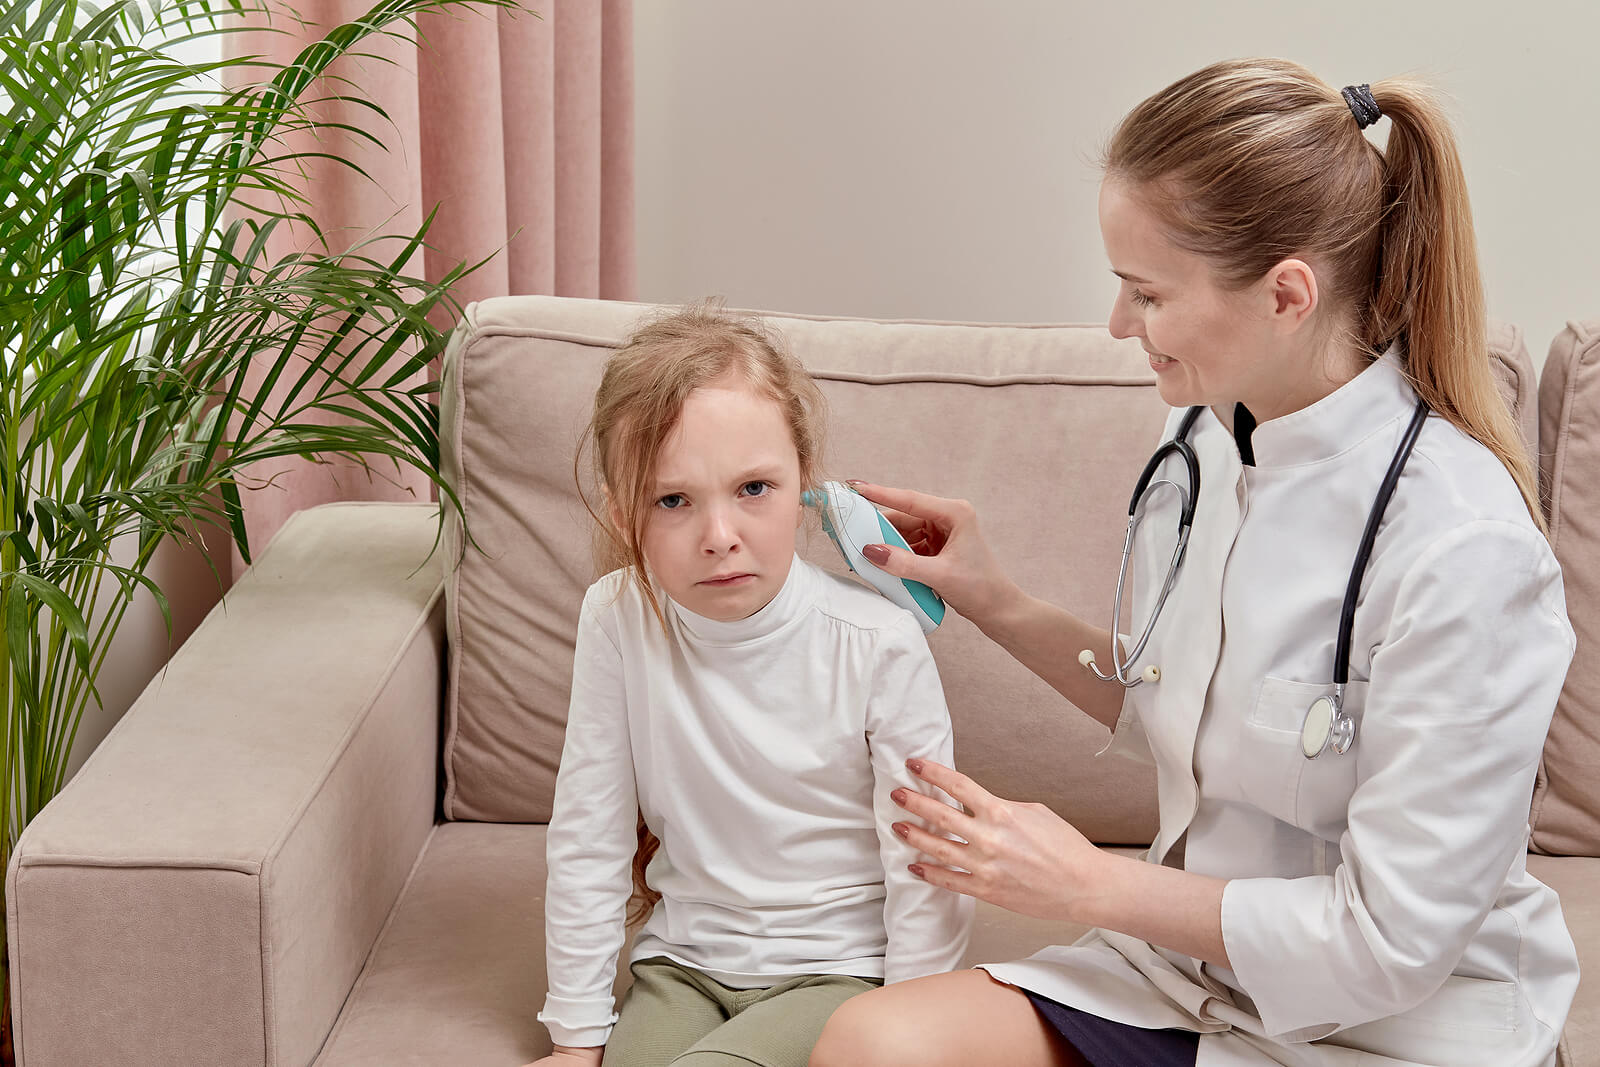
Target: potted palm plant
point(153, 351)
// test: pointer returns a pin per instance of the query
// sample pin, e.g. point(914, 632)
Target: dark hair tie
point(1362, 106)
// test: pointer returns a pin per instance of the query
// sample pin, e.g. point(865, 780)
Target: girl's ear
point(807, 486)
point(613, 512)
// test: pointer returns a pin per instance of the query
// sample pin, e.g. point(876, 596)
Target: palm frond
point(152, 348)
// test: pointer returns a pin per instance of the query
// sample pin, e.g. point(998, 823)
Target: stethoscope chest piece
point(1326, 726)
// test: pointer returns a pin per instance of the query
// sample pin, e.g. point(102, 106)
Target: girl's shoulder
point(613, 594)
point(852, 604)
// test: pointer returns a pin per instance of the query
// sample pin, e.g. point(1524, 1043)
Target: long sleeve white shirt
point(761, 753)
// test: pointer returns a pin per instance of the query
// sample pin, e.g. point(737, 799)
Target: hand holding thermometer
point(852, 522)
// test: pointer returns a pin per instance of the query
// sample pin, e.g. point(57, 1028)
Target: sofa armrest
point(207, 888)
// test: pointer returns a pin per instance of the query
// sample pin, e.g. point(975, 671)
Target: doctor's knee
point(863, 1030)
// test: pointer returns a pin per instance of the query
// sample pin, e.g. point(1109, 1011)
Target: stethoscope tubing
point(1369, 536)
point(1181, 446)
point(1340, 729)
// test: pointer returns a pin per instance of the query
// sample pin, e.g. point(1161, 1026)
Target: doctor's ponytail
point(1428, 288)
point(1250, 162)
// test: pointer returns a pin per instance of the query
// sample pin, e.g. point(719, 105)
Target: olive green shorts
point(675, 1015)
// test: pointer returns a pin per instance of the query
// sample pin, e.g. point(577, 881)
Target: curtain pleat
point(519, 129)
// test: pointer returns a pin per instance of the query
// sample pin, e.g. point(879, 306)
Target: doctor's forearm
point(1175, 909)
point(1046, 640)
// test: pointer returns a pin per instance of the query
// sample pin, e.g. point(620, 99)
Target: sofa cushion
point(1518, 378)
point(1566, 799)
point(1044, 428)
point(458, 972)
point(1577, 881)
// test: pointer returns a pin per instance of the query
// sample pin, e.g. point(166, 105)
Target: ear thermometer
point(852, 523)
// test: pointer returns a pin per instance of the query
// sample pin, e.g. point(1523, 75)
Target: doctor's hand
point(1023, 857)
point(948, 554)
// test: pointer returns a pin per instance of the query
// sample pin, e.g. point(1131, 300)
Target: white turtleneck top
point(762, 753)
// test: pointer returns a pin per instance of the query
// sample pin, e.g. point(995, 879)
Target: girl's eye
point(671, 501)
point(1140, 298)
point(756, 489)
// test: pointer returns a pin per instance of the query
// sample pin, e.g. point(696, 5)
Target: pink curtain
point(520, 129)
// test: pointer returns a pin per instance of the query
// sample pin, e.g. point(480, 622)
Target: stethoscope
point(1326, 724)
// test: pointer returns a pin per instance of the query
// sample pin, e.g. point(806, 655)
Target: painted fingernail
point(877, 555)
point(914, 765)
point(854, 481)
point(902, 829)
point(898, 796)
point(916, 869)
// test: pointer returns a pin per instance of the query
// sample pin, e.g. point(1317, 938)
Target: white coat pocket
point(1313, 794)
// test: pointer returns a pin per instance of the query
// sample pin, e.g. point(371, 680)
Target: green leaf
point(62, 607)
point(21, 634)
point(156, 346)
point(235, 512)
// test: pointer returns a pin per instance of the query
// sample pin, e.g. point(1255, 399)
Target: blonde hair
point(1249, 162)
point(641, 396)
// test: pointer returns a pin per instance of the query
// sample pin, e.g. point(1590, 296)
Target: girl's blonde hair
point(641, 396)
point(1249, 162)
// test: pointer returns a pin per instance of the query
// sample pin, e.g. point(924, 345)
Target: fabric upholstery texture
point(1566, 799)
point(1576, 880)
point(225, 859)
point(936, 407)
point(1519, 380)
point(459, 969)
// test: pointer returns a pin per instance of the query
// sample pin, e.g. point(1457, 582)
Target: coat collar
point(1339, 421)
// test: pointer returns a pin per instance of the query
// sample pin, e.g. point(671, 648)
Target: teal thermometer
point(852, 523)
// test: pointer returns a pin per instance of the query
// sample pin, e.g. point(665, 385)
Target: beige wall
point(926, 158)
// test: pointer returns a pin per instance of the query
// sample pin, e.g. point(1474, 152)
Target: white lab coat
point(1379, 910)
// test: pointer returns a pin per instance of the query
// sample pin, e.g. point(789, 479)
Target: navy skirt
point(1108, 1044)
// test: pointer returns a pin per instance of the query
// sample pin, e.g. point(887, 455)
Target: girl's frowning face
point(720, 533)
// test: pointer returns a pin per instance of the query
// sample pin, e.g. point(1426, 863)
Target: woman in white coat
point(1301, 290)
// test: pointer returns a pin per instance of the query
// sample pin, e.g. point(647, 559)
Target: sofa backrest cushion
point(1043, 428)
point(1566, 799)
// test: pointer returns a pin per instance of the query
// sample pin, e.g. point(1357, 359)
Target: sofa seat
point(458, 972)
point(1575, 878)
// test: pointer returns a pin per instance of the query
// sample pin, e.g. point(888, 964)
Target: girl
point(752, 710)
point(1310, 299)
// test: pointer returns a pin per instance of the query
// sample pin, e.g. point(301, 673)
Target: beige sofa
point(316, 838)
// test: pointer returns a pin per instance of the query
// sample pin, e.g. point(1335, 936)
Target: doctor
point(1300, 905)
